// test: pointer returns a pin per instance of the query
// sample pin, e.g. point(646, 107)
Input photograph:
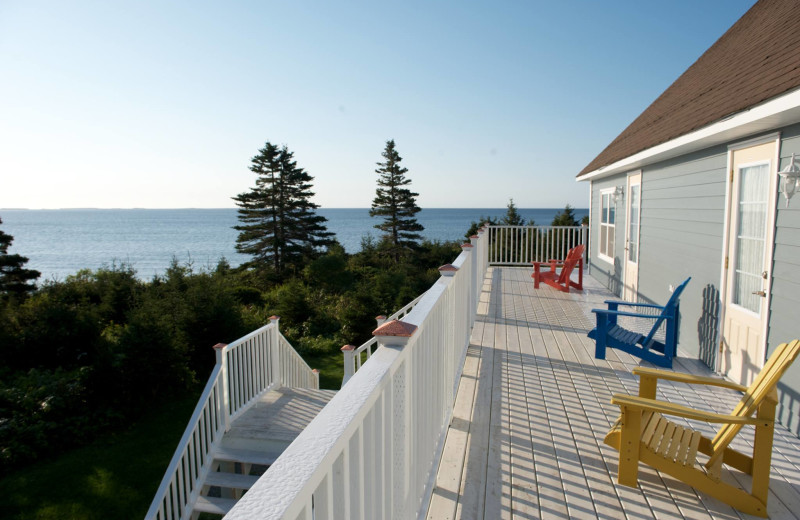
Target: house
point(691, 188)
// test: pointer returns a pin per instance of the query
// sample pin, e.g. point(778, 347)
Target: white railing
point(354, 357)
point(372, 452)
point(245, 369)
point(521, 245)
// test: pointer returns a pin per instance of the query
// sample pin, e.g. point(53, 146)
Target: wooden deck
point(532, 409)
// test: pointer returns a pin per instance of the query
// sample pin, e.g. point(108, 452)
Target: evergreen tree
point(14, 278)
point(279, 226)
point(566, 217)
point(396, 204)
point(513, 218)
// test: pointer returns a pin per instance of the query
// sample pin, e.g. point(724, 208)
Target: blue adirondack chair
point(608, 334)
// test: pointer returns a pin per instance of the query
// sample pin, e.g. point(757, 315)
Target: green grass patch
point(330, 366)
point(115, 477)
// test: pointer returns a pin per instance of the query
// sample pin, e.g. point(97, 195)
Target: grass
point(330, 366)
point(115, 477)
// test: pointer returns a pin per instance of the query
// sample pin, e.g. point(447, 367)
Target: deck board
point(533, 406)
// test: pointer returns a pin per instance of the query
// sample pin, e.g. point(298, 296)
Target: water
point(61, 242)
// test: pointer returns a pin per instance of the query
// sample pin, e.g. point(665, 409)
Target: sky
point(163, 104)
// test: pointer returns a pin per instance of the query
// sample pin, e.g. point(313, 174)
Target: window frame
point(609, 248)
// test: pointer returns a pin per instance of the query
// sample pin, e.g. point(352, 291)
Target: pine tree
point(279, 226)
point(566, 217)
point(14, 278)
point(513, 218)
point(396, 204)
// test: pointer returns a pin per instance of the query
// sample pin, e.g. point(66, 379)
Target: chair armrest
point(631, 314)
point(630, 304)
point(687, 378)
point(678, 410)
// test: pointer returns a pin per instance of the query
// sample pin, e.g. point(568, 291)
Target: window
point(607, 219)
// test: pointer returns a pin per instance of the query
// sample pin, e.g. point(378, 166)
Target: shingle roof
point(758, 58)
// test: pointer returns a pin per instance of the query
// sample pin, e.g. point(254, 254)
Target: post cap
point(315, 370)
point(464, 246)
point(381, 317)
point(395, 328)
point(448, 270)
point(274, 318)
point(348, 348)
point(219, 346)
point(474, 236)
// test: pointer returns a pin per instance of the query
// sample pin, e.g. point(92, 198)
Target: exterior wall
point(785, 299)
point(603, 271)
point(682, 226)
point(683, 215)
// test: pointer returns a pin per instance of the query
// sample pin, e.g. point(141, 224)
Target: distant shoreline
point(326, 208)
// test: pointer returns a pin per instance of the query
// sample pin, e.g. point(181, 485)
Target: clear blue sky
point(162, 104)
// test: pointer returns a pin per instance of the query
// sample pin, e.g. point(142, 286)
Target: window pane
point(750, 238)
point(604, 209)
point(603, 245)
point(633, 247)
point(611, 214)
point(610, 241)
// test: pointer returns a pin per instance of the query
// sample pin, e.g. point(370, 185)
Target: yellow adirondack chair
point(642, 433)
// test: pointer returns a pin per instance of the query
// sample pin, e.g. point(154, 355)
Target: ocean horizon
point(60, 242)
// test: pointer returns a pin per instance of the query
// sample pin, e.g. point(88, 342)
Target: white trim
point(755, 141)
point(775, 113)
point(600, 255)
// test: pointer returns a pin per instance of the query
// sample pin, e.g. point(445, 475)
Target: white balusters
point(245, 369)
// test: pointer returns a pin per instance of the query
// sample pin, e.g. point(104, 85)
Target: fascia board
point(781, 111)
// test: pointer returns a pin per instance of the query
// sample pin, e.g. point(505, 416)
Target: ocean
point(61, 242)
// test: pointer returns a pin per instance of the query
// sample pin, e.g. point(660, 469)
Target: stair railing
point(353, 356)
point(245, 369)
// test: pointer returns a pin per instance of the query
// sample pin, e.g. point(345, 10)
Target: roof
point(757, 59)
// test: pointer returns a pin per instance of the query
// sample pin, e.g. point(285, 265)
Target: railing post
point(349, 362)
point(473, 308)
point(275, 358)
point(380, 320)
point(316, 378)
point(395, 335)
point(225, 399)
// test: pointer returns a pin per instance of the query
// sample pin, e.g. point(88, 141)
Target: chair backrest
point(668, 310)
point(574, 254)
point(762, 386)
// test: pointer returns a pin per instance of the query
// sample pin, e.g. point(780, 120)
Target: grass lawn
point(330, 366)
point(115, 477)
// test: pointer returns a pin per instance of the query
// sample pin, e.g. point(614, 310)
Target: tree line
point(88, 355)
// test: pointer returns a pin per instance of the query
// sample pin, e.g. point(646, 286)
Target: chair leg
point(628, 471)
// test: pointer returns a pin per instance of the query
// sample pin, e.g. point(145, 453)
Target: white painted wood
point(230, 480)
point(217, 506)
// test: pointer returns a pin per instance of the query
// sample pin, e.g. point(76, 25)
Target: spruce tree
point(279, 226)
point(14, 278)
point(396, 204)
point(566, 217)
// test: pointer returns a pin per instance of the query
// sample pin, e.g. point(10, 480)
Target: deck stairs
point(254, 442)
point(259, 397)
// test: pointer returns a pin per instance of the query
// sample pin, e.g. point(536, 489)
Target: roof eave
point(769, 115)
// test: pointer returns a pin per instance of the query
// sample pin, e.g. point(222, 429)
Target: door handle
point(760, 293)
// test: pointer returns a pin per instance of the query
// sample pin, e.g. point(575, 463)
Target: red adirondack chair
point(561, 280)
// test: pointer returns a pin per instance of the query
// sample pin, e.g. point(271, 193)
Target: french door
point(751, 220)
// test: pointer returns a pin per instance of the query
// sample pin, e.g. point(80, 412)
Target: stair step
point(246, 456)
point(230, 480)
point(218, 506)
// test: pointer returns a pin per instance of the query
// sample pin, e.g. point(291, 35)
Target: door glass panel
point(751, 236)
point(633, 226)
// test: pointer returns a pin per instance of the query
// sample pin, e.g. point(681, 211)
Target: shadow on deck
point(533, 406)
